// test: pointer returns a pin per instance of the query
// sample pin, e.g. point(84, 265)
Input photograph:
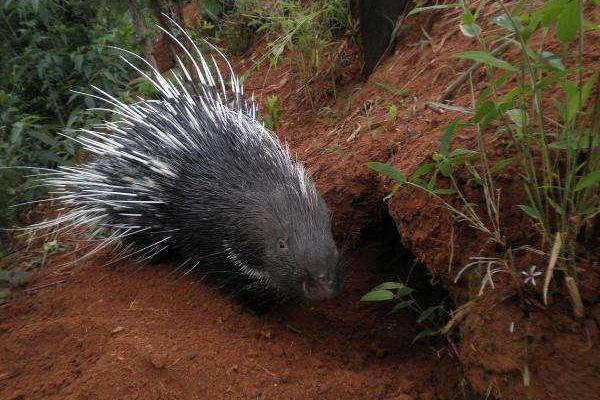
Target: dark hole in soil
point(396, 263)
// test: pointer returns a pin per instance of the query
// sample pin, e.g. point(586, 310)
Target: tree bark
point(141, 30)
point(173, 9)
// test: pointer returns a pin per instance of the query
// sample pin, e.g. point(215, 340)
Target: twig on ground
point(449, 91)
point(575, 296)
point(550, 269)
point(44, 286)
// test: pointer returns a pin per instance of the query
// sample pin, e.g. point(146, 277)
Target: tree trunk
point(164, 43)
point(141, 30)
point(378, 19)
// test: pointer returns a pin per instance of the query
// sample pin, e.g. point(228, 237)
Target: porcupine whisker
point(205, 274)
point(122, 256)
point(38, 201)
point(125, 252)
point(189, 270)
point(65, 228)
point(57, 222)
point(203, 82)
point(152, 254)
point(102, 245)
point(181, 265)
point(150, 247)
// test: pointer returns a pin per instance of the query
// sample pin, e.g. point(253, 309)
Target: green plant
point(51, 246)
point(52, 51)
point(543, 106)
point(273, 112)
point(311, 32)
point(392, 113)
point(431, 318)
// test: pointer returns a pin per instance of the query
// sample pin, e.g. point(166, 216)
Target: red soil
point(133, 332)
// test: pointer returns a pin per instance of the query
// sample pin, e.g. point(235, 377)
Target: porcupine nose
point(321, 287)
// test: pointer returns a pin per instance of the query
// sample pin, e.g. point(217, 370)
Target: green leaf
point(46, 156)
point(418, 10)
point(78, 61)
point(589, 180)
point(392, 112)
point(389, 286)
point(428, 313)
point(43, 137)
point(531, 211)
point(404, 291)
point(483, 109)
point(555, 205)
point(432, 181)
point(500, 165)
point(550, 12)
point(568, 22)
point(504, 21)
point(553, 60)
point(401, 289)
point(518, 117)
point(586, 90)
point(442, 192)
point(573, 105)
point(475, 173)
point(445, 168)
point(467, 17)
point(401, 306)
point(422, 170)
point(470, 30)
point(446, 139)
point(387, 170)
point(378, 295)
point(424, 333)
point(486, 58)
point(51, 247)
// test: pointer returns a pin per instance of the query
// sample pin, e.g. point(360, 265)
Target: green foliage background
point(49, 49)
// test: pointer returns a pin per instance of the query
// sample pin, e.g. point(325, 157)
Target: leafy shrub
point(52, 49)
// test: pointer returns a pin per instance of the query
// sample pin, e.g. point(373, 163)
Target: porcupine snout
point(298, 255)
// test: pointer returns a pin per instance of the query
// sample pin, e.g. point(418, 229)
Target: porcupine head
point(194, 172)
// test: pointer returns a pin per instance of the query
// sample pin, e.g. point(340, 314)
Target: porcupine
point(196, 175)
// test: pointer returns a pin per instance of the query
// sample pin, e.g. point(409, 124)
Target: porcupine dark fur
point(194, 173)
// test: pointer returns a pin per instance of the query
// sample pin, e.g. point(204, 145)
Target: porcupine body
point(194, 174)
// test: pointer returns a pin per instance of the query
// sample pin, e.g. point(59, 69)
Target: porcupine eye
point(283, 242)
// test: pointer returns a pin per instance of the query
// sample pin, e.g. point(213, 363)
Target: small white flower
point(530, 275)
